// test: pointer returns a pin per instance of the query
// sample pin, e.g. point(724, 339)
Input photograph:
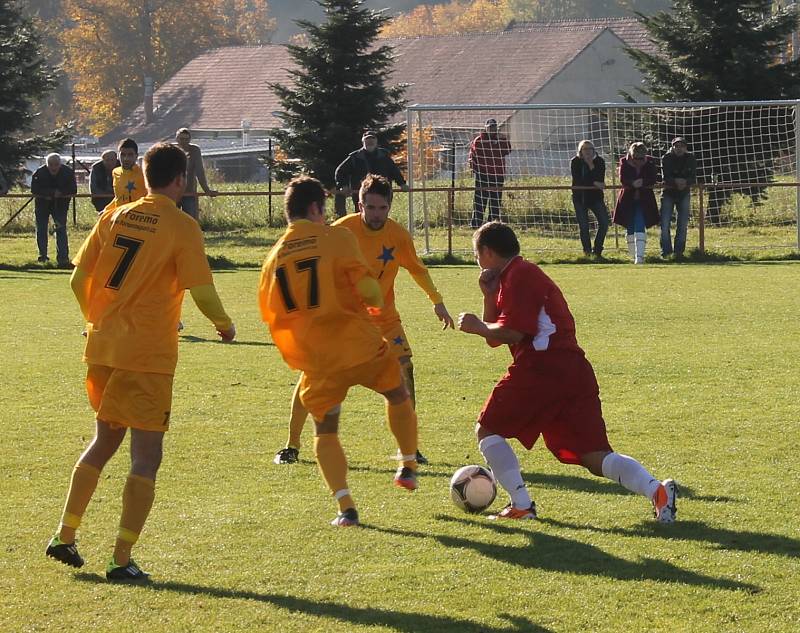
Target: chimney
point(148, 99)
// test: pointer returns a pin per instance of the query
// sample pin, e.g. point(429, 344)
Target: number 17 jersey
point(140, 258)
point(307, 296)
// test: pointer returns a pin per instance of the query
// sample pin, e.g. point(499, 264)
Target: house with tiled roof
point(223, 94)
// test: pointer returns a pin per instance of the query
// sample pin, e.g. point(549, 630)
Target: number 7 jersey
point(307, 296)
point(140, 258)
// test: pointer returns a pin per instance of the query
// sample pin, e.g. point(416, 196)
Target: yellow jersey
point(386, 250)
point(140, 258)
point(128, 185)
point(307, 295)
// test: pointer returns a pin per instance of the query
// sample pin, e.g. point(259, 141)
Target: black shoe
point(128, 573)
point(66, 265)
point(288, 455)
point(66, 553)
point(348, 518)
point(421, 459)
point(43, 259)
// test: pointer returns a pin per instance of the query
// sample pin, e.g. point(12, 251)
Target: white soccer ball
point(473, 488)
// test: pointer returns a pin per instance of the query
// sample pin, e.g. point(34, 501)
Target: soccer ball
point(473, 488)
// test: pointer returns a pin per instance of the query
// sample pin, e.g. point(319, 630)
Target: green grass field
point(698, 372)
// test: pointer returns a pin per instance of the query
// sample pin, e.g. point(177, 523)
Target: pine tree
point(723, 51)
point(26, 79)
point(340, 89)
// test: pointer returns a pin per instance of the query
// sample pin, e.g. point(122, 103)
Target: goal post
point(748, 166)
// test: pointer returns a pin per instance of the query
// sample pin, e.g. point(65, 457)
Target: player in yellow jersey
point(128, 178)
point(387, 247)
point(129, 280)
point(314, 291)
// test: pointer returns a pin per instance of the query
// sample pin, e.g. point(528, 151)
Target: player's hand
point(489, 282)
point(470, 323)
point(444, 316)
point(228, 335)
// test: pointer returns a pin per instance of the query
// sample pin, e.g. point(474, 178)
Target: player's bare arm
point(492, 332)
point(443, 315)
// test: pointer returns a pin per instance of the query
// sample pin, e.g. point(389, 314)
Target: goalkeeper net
point(747, 166)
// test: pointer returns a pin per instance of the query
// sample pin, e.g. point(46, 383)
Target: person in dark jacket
point(487, 158)
point(101, 182)
point(636, 207)
point(589, 170)
point(53, 184)
point(368, 159)
point(678, 169)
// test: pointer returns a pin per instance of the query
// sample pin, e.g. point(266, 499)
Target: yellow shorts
point(133, 399)
point(394, 334)
point(320, 393)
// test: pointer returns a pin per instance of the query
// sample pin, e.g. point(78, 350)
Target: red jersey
point(530, 302)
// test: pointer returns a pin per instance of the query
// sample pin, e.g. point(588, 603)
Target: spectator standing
point(101, 182)
point(195, 172)
point(367, 159)
point(679, 170)
point(53, 184)
point(487, 159)
point(636, 207)
point(589, 170)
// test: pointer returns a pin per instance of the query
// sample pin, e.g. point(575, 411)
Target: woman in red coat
point(636, 207)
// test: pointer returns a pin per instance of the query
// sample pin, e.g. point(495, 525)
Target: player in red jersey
point(550, 388)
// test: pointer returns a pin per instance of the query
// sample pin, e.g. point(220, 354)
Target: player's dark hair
point(374, 183)
point(128, 143)
point(300, 193)
point(163, 163)
point(499, 237)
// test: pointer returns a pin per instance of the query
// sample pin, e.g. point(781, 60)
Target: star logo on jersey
point(387, 255)
point(398, 341)
point(130, 186)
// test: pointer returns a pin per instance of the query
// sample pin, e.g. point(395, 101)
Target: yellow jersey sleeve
point(190, 258)
point(89, 252)
point(408, 259)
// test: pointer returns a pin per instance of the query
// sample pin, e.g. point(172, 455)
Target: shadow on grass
point(402, 621)
point(604, 487)
point(188, 338)
point(697, 531)
point(549, 552)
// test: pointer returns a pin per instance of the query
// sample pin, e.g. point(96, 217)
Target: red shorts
point(554, 395)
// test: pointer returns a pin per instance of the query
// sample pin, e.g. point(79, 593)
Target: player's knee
point(329, 422)
point(397, 395)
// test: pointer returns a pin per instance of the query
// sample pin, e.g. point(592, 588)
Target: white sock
point(505, 466)
point(630, 473)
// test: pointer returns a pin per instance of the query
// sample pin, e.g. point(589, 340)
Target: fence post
point(610, 116)
point(701, 218)
point(422, 147)
point(797, 156)
point(410, 167)
point(451, 201)
point(74, 199)
point(270, 164)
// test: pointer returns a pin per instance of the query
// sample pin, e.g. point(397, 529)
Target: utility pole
point(147, 59)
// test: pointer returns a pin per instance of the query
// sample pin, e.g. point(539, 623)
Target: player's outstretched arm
point(80, 281)
point(208, 302)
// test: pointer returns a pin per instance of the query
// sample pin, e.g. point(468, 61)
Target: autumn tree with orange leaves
point(112, 46)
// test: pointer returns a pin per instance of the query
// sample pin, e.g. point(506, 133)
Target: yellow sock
point(403, 424)
point(81, 488)
point(333, 466)
point(137, 499)
point(297, 419)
